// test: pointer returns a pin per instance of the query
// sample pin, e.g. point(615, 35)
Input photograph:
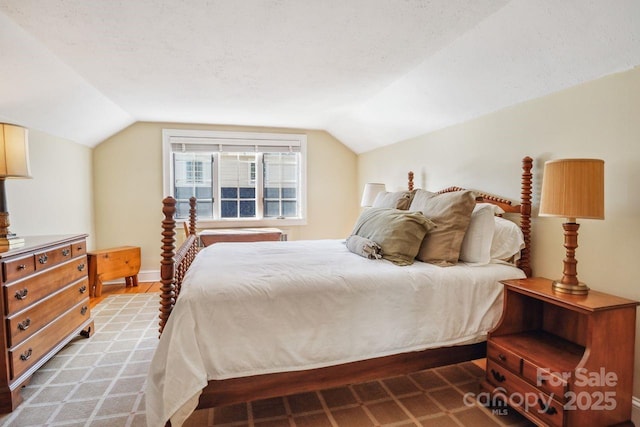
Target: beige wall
point(59, 197)
point(128, 187)
point(598, 119)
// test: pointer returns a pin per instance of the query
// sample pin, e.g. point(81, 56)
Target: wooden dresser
point(560, 359)
point(45, 304)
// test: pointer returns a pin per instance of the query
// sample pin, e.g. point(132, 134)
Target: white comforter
point(248, 309)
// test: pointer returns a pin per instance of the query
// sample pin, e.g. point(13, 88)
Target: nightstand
point(560, 359)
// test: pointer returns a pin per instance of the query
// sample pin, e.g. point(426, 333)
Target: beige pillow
point(399, 233)
point(451, 214)
point(396, 199)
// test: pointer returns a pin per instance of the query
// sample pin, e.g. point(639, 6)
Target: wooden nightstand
point(563, 360)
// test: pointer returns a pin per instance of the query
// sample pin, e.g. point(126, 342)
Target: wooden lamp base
point(569, 283)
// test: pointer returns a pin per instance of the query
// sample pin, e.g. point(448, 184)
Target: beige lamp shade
point(371, 190)
point(14, 152)
point(573, 188)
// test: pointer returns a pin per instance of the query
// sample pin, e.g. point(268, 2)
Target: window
point(247, 178)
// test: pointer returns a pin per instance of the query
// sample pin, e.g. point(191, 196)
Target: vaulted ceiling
point(370, 72)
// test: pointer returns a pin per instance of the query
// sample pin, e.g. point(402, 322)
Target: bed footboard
point(174, 264)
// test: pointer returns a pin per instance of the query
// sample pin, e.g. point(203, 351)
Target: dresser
point(562, 360)
point(45, 304)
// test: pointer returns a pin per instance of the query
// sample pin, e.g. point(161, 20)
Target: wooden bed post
point(167, 266)
point(525, 215)
point(192, 215)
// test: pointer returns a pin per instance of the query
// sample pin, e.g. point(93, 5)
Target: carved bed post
point(410, 183)
point(167, 267)
point(525, 215)
point(192, 215)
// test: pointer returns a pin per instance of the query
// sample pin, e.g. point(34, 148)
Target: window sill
point(234, 223)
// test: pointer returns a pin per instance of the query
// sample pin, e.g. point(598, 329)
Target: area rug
point(99, 382)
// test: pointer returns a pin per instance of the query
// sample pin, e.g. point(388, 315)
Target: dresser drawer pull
point(502, 357)
point(26, 355)
point(21, 294)
point(497, 376)
point(22, 267)
point(66, 252)
point(24, 325)
point(83, 310)
point(42, 259)
point(81, 267)
point(550, 410)
point(83, 289)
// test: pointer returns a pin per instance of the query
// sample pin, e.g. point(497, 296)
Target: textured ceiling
point(371, 72)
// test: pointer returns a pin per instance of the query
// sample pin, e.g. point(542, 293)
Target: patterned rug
point(100, 382)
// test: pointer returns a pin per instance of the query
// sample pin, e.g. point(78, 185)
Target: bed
point(330, 318)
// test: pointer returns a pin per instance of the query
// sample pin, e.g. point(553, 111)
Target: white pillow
point(476, 245)
point(507, 241)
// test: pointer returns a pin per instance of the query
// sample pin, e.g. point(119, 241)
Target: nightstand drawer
point(524, 396)
point(504, 357)
point(540, 377)
point(52, 257)
point(21, 326)
point(20, 295)
point(27, 353)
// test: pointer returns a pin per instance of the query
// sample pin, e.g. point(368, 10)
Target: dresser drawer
point(18, 268)
point(553, 384)
point(26, 323)
point(27, 353)
point(504, 357)
point(78, 248)
point(20, 295)
point(523, 395)
point(52, 257)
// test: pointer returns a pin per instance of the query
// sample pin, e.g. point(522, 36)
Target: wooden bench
point(113, 263)
point(209, 237)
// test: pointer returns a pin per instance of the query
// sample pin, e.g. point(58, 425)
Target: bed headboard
point(523, 209)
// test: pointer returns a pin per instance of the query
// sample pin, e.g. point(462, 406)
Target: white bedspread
point(248, 309)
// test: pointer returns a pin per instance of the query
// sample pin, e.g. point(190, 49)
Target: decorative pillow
point(451, 214)
point(508, 240)
point(399, 233)
point(395, 200)
point(476, 245)
point(364, 247)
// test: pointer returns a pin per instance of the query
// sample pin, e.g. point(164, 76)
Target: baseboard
point(635, 410)
point(143, 276)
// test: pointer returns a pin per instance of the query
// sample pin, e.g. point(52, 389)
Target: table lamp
point(371, 190)
point(14, 163)
point(572, 188)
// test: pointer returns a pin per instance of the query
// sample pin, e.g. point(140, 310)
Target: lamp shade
point(14, 152)
point(371, 190)
point(573, 188)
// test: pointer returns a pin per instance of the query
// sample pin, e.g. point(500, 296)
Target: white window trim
point(244, 138)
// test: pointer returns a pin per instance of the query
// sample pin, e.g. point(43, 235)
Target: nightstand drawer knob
point(497, 376)
point(26, 355)
point(24, 325)
point(22, 294)
point(42, 259)
point(549, 410)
